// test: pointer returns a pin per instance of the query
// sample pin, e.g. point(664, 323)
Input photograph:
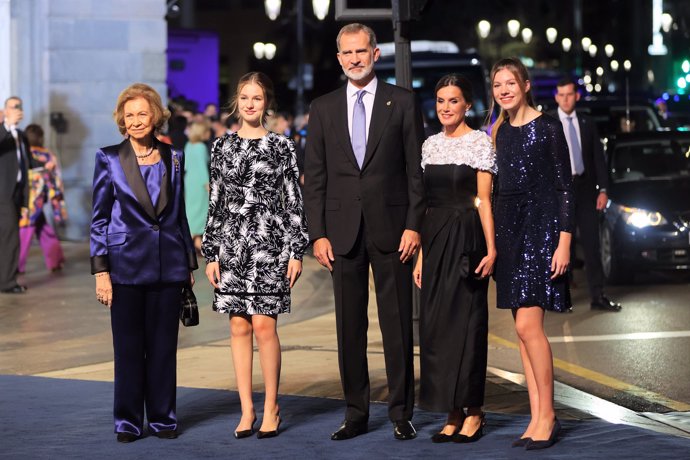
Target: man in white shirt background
point(590, 180)
point(14, 162)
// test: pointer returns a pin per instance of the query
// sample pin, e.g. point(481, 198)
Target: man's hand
point(324, 253)
point(409, 243)
point(602, 200)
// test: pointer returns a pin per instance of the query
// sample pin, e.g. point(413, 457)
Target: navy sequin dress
point(534, 203)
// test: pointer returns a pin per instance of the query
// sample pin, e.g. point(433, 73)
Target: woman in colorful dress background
point(45, 186)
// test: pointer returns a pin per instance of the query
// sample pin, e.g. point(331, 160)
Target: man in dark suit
point(364, 199)
point(590, 180)
point(14, 161)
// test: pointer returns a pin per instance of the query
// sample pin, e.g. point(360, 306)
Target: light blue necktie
point(359, 129)
point(576, 149)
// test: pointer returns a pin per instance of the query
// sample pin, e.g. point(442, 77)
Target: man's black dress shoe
point(603, 303)
point(349, 430)
point(166, 434)
point(404, 430)
point(536, 445)
point(125, 437)
point(16, 289)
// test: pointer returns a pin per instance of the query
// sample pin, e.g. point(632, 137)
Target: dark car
point(646, 224)
point(612, 115)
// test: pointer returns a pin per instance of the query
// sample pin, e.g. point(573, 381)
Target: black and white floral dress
point(255, 223)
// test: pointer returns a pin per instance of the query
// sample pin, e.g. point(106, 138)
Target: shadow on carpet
point(57, 418)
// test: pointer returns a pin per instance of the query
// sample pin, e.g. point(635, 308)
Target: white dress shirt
point(367, 100)
point(13, 130)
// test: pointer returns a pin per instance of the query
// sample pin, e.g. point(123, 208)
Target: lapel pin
point(388, 103)
point(176, 162)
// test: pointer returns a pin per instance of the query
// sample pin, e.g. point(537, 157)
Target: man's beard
point(358, 76)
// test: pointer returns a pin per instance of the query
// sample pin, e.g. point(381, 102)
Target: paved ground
point(57, 329)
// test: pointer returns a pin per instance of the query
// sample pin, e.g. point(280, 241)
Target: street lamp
point(551, 35)
point(566, 43)
point(320, 9)
point(614, 65)
point(264, 50)
point(586, 42)
point(593, 50)
point(666, 22)
point(600, 71)
point(627, 65)
point(483, 28)
point(527, 35)
point(513, 27)
point(608, 49)
point(272, 9)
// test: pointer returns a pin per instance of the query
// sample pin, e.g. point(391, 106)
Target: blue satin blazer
point(130, 238)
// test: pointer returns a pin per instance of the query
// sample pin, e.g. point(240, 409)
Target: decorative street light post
point(320, 9)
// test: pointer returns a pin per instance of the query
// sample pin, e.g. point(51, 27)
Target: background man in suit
point(365, 201)
point(589, 172)
point(14, 162)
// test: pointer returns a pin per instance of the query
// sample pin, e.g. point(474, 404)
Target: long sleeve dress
point(534, 204)
point(453, 323)
point(256, 223)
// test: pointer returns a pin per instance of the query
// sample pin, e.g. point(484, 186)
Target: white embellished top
point(474, 149)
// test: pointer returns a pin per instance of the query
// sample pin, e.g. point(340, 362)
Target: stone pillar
point(74, 57)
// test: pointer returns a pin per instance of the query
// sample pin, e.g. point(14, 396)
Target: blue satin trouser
point(144, 321)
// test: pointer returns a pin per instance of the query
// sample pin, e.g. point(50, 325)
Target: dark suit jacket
point(9, 165)
point(592, 154)
point(135, 242)
point(387, 192)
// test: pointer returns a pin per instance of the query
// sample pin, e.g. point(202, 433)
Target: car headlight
point(642, 218)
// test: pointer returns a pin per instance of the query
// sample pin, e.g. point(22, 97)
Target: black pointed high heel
point(246, 433)
point(520, 442)
point(536, 445)
point(442, 437)
point(270, 434)
point(476, 436)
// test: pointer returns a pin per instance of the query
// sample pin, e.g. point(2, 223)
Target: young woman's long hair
point(518, 69)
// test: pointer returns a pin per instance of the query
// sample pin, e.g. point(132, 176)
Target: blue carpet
point(55, 418)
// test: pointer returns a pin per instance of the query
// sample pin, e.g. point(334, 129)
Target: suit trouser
point(393, 282)
point(9, 243)
point(144, 320)
point(587, 222)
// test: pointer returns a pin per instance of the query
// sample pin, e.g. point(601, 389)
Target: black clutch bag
point(189, 310)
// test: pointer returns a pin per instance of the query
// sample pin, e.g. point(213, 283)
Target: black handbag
point(189, 310)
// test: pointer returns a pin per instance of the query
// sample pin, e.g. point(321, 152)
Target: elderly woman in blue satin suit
point(141, 255)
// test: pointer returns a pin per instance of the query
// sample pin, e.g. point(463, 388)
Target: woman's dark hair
point(459, 81)
point(34, 134)
point(266, 85)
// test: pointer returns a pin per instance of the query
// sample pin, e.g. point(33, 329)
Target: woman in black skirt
point(452, 270)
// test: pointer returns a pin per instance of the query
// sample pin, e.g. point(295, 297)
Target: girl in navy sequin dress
point(533, 218)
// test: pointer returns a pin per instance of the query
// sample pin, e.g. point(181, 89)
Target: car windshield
point(651, 160)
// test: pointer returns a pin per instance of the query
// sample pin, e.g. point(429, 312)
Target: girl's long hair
point(518, 69)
